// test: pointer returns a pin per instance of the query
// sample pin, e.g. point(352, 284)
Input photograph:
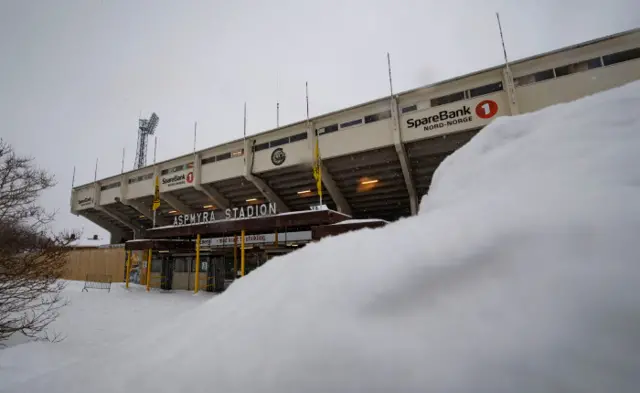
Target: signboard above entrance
point(251, 211)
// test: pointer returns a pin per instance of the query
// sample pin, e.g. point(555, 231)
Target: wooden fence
point(93, 260)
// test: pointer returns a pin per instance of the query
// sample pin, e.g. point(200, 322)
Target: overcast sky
point(75, 75)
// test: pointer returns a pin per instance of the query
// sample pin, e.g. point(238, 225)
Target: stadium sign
point(484, 110)
point(251, 211)
point(175, 180)
point(85, 201)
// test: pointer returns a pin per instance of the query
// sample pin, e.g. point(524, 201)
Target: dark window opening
point(164, 171)
point(578, 67)
point(486, 89)
point(279, 142)
point(410, 108)
point(298, 137)
point(533, 78)
point(331, 128)
point(620, 57)
point(377, 117)
point(223, 156)
point(351, 123)
point(261, 146)
point(208, 160)
point(449, 98)
point(110, 186)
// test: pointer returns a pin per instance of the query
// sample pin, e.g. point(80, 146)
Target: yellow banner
point(317, 171)
point(156, 194)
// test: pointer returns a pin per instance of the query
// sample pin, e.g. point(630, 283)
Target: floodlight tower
point(146, 127)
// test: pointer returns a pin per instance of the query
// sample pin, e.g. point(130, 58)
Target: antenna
point(504, 49)
point(155, 147)
point(195, 131)
point(306, 90)
point(73, 177)
point(122, 168)
point(277, 101)
point(390, 79)
point(146, 127)
point(509, 76)
point(95, 173)
point(244, 128)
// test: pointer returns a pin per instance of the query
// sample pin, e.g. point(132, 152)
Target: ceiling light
point(208, 206)
point(369, 181)
point(252, 199)
point(172, 211)
point(142, 217)
point(304, 192)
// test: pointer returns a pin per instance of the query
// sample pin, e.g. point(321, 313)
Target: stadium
point(227, 209)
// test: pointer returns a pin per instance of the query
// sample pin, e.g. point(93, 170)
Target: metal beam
point(115, 231)
point(402, 156)
point(334, 191)
point(175, 202)
point(123, 220)
point(260, 184)
point(210, 191)
point(327, 179)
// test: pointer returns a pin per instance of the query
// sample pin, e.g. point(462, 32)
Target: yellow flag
point(317, 171)
point(156, 194)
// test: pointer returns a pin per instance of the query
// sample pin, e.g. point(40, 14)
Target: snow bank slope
point(520, 274)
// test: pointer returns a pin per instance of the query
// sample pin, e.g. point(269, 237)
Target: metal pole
point(95, 173)
point(196, 285)
point(122, 168)
point(149, 269)
point(155, 146)
point(73, 177)
point(128, 267)
point(195, 131)
point(235, 256)
point(389, 67)
point(242, 252)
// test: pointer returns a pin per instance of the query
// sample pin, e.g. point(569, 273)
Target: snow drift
point(520, 274)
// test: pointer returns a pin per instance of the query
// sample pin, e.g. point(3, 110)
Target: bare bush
point(32, 259)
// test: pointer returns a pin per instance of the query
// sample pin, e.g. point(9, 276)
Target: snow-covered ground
point(91, 323)
point(520, 274)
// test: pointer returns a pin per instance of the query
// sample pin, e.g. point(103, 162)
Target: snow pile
point(520, 274)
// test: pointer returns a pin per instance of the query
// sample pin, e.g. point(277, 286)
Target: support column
point(211, 192)
point(402, 156)
point(260, 184)
point(507, 80)
point(327, 180)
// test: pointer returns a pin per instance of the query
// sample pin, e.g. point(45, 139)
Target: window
point(578, 67)
point(377, 117)
point(177, 168)
point(262, 146)
point(156, 265)
point(237, 153)
point(110, 186)
point(533, 78)
point(223, 156)
point(619, 57)
point(180, 265)
point(298, 137)
point(208, 160)
point(140, 178)
point(279, 142)
point(411, 108)
point(486, 89)
point(331, 128)
point(447, 99)
point(351, 123)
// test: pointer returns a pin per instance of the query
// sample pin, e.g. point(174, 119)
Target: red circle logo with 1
point(486, 109)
